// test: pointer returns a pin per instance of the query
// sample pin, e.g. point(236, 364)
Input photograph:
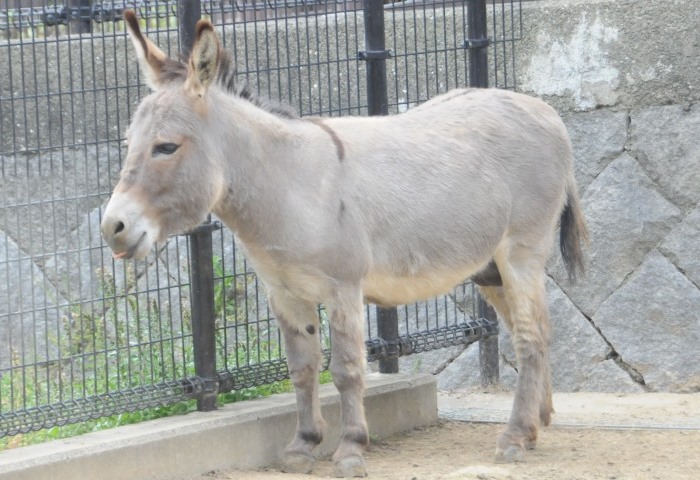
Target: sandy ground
point(649, 436)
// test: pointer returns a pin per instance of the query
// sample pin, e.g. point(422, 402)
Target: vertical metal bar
point(188, 13)
point(388, 329)
point(479, 77)
point(203, 327)
point(80, 18)
point(378, 104)
point(377, 97)
point(488, 348)
point(201, 257)
point(478, 41)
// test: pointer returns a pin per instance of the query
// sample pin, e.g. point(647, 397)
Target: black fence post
point(376, 54)
point(488, 347)
point(202, 302)
point(477, 45)
point(80, 16)
point(201, 258)
point(188, 13)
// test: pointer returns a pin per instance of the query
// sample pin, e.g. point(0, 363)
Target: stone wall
point(624, 75)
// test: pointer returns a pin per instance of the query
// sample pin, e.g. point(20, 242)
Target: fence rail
point(220, 11)
point(83, 336)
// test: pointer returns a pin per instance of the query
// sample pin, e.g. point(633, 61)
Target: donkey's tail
point(573, 234)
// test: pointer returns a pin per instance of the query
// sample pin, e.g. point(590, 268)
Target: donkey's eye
point(165, 148)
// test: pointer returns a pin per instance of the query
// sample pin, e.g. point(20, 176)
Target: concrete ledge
point(247, 434)
point(648, 411)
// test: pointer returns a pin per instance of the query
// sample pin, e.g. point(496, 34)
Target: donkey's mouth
point(128, 254)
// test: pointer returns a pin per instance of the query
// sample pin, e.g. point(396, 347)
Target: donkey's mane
point(227, 78)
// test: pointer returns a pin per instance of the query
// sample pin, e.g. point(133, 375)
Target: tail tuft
point(573, 235)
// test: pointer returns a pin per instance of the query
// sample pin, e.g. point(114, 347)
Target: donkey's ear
point(151, 58)
point(204, 59)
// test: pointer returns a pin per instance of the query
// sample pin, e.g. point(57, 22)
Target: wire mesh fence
point(83, 336)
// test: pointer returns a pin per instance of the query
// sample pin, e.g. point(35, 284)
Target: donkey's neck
point(257, 152)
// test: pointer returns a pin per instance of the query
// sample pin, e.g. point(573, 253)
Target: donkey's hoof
point(350, 467)
point(510, 454)
point(297, 463)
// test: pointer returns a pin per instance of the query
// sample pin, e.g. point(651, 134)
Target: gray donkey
point(341, 211)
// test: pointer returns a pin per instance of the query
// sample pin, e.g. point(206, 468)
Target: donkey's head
point(169, 182)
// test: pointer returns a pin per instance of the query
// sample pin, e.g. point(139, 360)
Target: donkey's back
point(441, 188)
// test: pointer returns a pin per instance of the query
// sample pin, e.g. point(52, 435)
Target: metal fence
point(83, 336)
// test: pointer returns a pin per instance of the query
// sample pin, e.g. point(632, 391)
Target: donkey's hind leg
point(348, 359)
point(496, 296)
point(298, 321)
point(524, 294)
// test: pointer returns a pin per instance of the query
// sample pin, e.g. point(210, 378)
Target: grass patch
point(132, 342)
point(127, 418)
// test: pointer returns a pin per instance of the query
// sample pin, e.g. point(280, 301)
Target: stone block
point(682, 246)
point(578, 354)
point(47, 196)
point(32, 310)
point(463, 371)
point(607, 376)
point(653, 322)
point(435, 361)
point(598, 137)
point(664, 140)
point(626, 217)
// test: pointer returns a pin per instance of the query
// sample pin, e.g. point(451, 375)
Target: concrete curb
point(242, 435)
point(619, 411)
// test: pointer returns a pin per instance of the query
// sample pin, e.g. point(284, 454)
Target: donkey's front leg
point(348, 368)
point(298, 321)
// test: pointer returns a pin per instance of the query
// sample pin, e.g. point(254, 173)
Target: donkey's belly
point(389, 290)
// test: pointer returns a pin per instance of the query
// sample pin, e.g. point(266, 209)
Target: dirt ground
point(464, 451)
point(594, 436)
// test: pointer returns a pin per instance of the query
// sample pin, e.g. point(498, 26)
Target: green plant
point(131, 342)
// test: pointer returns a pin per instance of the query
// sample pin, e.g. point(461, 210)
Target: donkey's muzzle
point(125, 228)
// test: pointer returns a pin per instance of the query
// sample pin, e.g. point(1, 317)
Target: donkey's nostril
point(119, 228)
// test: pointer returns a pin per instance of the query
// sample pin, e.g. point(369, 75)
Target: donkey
point(341, 211)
